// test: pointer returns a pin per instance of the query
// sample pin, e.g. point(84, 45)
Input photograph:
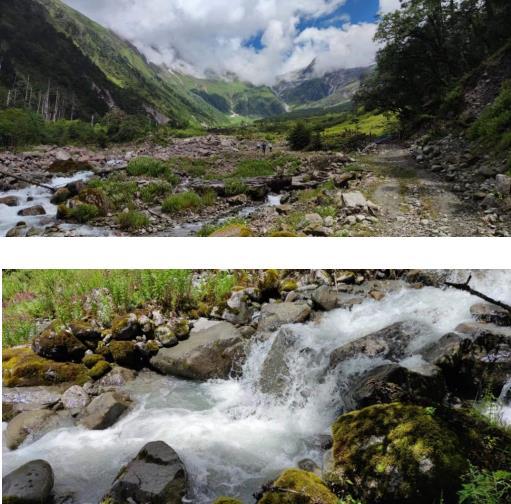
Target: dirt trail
point(416, 202)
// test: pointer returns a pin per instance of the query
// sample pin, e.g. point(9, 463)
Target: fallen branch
point(27, 181)
point(466, 288)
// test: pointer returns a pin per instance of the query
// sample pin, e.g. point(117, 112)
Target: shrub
point(146, 166)
point(486, 487)
point(254, 168)
point(300, 137)
point(133, 220)
point(84, 213)
point(20, 127)
point(181, 201)
point(120, 193)
point(235, 186)
point(155, 191)
point(209, 198)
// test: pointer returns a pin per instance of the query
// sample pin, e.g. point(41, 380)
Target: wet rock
point(276, 315)
point(394, 383)
point(59, 345)
point(75, 398)
point(390, 343)
point(124, 353)
point(10, 201)
point(233, 231)
point(310, 466)
point(76, 187)
point(325, 298)
point(32, 483)
point(212, 352)
point(157, 475)
point(126, 327)
point(238, 311)
point(31, 425)
point(118, 377)
point(104, 411)
point(489, 313)
point(297, 487)
point(409, 454)
point(100, 369)
point(67, 166)
point(32, 211)
point(60, 196)
point(91, 360)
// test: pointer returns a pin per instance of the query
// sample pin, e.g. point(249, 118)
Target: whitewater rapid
point(231, 436)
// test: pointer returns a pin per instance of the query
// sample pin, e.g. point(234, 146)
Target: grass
point(155, 168)
point(485, 487)
point(367, 124)
point(32, 295)
point(235, 186)
point(254, 168)
point(188, 201)
point(120, 192)
point(209, 229)
point(133, 220)
point(155, 191)
point(84, 213)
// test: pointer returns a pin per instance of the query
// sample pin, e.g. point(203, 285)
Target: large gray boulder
point(31, 483)
point(31, 425)
point(214, 350)
point(325, 298)
point(75, 398)
point(104, 411)
point(390, 343)
point(276, 315)
point(156, 476)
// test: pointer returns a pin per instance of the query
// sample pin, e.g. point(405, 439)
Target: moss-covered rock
point(297, 487)
point(288, 285)
point(227, 500)
point(124, 353)
point(399, 453)
point(233, 231)
point(151, 348)
point(95, 197)
point(269, 284)
point(85, 331)
point(181, 329)
point(91, 360)
point(126, 327)
point(58, 344)
point(21, 367)
point(99, 370)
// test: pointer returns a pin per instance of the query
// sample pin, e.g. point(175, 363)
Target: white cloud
point(389, 6)
point(210, 34)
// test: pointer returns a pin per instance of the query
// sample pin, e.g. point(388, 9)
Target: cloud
point(389, 6)
point(213, 34)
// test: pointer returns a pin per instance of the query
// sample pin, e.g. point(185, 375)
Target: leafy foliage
point(133, 220)
point(300, 137)
point(486, 487)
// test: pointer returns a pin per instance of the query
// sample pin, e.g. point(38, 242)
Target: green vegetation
point(119, 191)
point(155, 168)
point(254, 168)
point(133, 220)
point(32, 295)
point(83, 213)
point(235, 186)
point(485, 487)
point(188, 201)
point(300, 137)
point(155, 191)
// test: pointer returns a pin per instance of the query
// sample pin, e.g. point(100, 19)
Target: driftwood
point(466, 288)
point(27, 181)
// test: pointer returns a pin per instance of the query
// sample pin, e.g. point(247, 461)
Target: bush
point(146, 166)
point(254, 168)
point(486, 487)
point(20, 127)
point(84, 213)
point(120, 193)
point(300, 137)
point(154, 191)
point(181, 201)
point(133, 220)
point(235, 186)
point(122, 127)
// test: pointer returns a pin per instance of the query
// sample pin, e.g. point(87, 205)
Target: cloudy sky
point(256, 39)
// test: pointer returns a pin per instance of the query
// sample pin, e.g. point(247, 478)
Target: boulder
point(32, 211)
point(124, 353)
point(309, 465)
point(60, 196)
point(100, 369)
point(503, 184)
point(237, 311)
point(75, 398)
point(354, 200)
point(393, 383)
point(155, 476)
point(10, 201)
point(32, 483)
point(59, 345)
point(118, 377)
point(297, 487)
point(233, 231)
point(485, 312)
point(21, 367)
point(166, 336)
point(390, 343)
point(212, 352)
point(409, 454)
point(126, 327)
point(31, 425)
point(325, 298)
point(85, 332)
point(276, 315)
point(104, 411)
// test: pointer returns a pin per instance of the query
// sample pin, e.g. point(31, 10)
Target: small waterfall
point(234, 435)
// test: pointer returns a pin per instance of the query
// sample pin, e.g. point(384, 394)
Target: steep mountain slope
point(305, 89)
point(89, 66)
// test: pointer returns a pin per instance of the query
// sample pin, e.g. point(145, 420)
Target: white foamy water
point(231, 436)
point(32, 196)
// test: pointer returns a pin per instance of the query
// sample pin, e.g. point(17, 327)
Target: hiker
point(270, 147)
point(264, 147)
point(259, 146)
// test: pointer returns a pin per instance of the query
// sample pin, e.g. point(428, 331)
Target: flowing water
point(231, 436)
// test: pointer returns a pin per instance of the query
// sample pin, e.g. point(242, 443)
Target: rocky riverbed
point(221, 186)
point(300, 383)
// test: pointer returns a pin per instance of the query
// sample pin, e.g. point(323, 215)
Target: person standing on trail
point(270, 147)
point(264, 146)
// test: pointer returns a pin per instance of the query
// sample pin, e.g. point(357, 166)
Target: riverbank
point(251, 387)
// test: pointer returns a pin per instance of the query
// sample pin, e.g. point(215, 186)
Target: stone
point(10, 201)
point(325, 298)
point(165, 335)
point(156, 475)
point(313, 220)
point(485, 312)
point(104, 411)
point(390, 343)
point(503, 184)
point(62, 155)
point(377, 295)
point(32, 211)
point(354, 200)
point(75, 398)
point(85, 331)
point(32, 483)
point(276, 315)
point(309, 465)
point(126, 327)
point(59, 345)
point(60, 196)
point(124, 353)
point(237, 311)
point(211, 352)
point(118, 377)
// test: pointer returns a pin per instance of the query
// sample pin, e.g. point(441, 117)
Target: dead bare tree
point(465, 287)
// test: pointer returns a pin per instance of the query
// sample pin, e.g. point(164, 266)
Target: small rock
point(32, 211)
point(10, 201)
point(32, 483)
point(104, 411)
point(75, 398)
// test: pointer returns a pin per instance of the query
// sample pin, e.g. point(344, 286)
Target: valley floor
point(222, 186)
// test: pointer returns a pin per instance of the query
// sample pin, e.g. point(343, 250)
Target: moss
point(288, 285)
point(97, 198)
point(123, 353)
point(227, 500)
point(58, 344)
point(100, 369)
point(90, 361)
point(269, 284)
point(232, 231)
point(152, 347)
point(23, 368)
point(304, 488)
point(404, 453)
point(181, 329)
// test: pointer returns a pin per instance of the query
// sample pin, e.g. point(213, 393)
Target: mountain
point(308, 89)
